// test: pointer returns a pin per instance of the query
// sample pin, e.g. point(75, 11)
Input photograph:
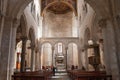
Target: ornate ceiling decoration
point(59, 6)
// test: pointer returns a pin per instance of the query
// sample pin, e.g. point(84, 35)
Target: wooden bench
point(38, 75)
point(89, 75)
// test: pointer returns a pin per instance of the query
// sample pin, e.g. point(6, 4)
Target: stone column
point(52, 56)
point(116, 24)
point(86, 58)
point(79, 58)
point(6, 42)
point(110, 48)
point(117, 34)
point(2, 15)
point(101, 52)
point(22, 65)
point(40, 58)
point(66, 51)
point(16, 23)
point(36, 60)
point(32, 57)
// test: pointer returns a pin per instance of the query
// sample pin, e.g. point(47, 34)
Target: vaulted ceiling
point(59, 6)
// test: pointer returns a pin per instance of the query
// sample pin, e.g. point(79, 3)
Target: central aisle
point(60, 75)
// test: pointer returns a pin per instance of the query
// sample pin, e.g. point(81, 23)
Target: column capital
point(24, 38)
point(13, 20)
point(102, 23)
point(32, 46)
point(53, 48)
point(16, 22)
point(66, 48)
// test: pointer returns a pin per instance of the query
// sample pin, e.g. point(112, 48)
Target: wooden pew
point(89, 75)
point(38, 75)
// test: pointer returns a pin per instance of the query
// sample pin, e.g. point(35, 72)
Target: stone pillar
point(79, 58)
point(1, 29)
point(110, 48)
point(52, 56)
point(2, 15)
point(101, 52)
point(40, 58)
point(7, 40)
point(32, 57)
point(117, 34)
point(116, 24)
point(22, 65)
point(86, 58)
point(16, 23)
point(66, 51)
point(36, 60)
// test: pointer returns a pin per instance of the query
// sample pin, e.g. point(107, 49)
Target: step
point(59, 78)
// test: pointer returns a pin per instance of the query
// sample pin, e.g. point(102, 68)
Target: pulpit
point(94, 58)
point(94, 61)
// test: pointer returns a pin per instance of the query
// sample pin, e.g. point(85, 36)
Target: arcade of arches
point(44, 33)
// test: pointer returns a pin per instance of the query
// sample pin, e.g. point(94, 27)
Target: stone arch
point(46, 42)
point(72, 42)
point(21, 5)
point(73, 54)
point(31, 35)
point(63, 43)
point(69, 5)
point(102, 12)
point(23, 24)
point(46, 54)
point(21, 29)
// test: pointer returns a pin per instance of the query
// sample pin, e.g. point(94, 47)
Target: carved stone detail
point(65, 41)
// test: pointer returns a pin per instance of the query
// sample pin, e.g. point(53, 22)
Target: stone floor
point(60, 76)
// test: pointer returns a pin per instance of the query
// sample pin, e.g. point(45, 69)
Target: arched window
point(59, 47)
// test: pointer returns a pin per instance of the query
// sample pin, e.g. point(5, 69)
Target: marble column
point(110, 48)
point(22, 65)
point(66, 51)
point(1, 29)
point(2, 12)
point(36, 60)
point(116, 24)
point(32, 57)
point(40, 67)
point(79, 58)
point(117, 34)
point(101, 52)
point(86, 58)
point(7, 40)
point(16, 23)
point(52, 56)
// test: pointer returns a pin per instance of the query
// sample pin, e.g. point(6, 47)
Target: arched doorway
point(46, 55)
point(60, 56)
point(72, 56)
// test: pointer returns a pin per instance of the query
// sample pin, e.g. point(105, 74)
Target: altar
point(60, 62)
